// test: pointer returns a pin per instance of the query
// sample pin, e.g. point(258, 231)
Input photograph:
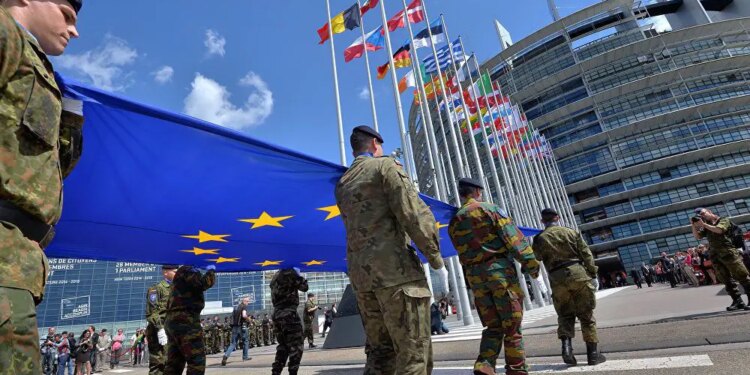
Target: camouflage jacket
point(487, 241)
point(720, 245)
point(156, 303)
point(382, 211)
point(285, 288)
point(187, 290)
point(309, 316)
point(557, 245)
point(39, 145)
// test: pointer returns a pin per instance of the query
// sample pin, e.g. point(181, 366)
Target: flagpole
point(452, 181)
point(459, 149)
point(396, 94)
point(342, 148)
point(367, 65)
point(534, 173)
point(432, 152)
point(483, 130)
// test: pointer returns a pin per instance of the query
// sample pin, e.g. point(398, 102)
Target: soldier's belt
point(31, 227)
point(564, 265)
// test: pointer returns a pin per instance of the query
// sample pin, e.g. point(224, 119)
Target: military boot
point(482, 368)
point(292, 372)
point(737, 304)
point(567, 351)
point(224, 361)
point(593, 355)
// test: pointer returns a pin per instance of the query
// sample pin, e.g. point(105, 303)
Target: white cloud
point(102, 66)
point(215, 43)
point(164, 74)
point(364, 93)
point(210, 101)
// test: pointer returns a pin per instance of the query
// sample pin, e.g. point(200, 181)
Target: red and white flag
point(414, 13)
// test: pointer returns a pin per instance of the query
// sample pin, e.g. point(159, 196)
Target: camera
point(695, 219)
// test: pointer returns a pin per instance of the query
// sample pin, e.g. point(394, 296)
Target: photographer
point(726, 259)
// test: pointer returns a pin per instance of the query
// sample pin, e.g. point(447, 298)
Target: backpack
point(72, 346)
point(736, 236)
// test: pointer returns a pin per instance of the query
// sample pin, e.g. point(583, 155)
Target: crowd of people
point(87, 353)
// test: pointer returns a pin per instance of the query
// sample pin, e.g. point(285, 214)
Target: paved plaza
point(656, 330)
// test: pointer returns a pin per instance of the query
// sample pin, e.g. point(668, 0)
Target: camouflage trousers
point(501, 311)
point(157, 354)
point(185, 338)
point(308, 334)
point(397, 325)
point(291, 343)
point(266, 336)
point(575, 299)
point(19, 339)
point(730, 271)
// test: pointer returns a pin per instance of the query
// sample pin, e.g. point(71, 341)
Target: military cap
point(549, 212)
point(76, 4)
point(369, 131)
point(166, 267)
point(470, 182)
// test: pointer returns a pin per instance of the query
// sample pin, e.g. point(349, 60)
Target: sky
point(256, 66)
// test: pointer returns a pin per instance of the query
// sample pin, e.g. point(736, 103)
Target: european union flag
point(159, 187)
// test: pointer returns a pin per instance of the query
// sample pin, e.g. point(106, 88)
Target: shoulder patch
point(152, 296)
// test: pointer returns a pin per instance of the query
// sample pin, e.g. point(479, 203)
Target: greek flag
point(444, 57)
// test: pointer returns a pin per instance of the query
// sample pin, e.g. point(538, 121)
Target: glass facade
point(112, 295)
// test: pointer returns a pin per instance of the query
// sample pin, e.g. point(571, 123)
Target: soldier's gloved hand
point(72, 106)
point(535, 275)
point(595, 281)
point(162, 335)
point(211, 267)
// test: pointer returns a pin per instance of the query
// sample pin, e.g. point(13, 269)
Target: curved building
point(647, 107)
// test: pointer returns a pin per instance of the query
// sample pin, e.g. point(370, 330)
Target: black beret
point(369, 131)
point(169, 267)
point(76, 4)
point(470, 182)
point(311, 294)
point(549, 212)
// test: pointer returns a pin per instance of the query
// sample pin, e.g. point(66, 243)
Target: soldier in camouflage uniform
point(183, 320)
point(258, 331)
point(272, 331)
point(40, 143)
point(382, 214)
point(285, 286)
point(266, 325)
point(487, 242)
point(218, 335)
point(204, 330)
point(227, 333)
point(308, 317)
point(572, 275)
point(156, 311)
point(726, 259)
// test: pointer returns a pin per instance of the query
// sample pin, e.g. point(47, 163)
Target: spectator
point(83, 353)
point(668, 268)
point(636, 278)
point(706, 264)
point(94, 342)
point(659, 270)
point(63, 354)
point(136, 346)
point(116, 351)
point(102, 349)
point(436, 320)
point(648, 276)
point(73, 344)
point(329, 315)
point(48, 351)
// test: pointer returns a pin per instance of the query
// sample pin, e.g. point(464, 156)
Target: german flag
point(401, 59)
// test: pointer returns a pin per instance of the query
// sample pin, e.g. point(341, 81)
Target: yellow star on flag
point(440, 226)
point(266, 220)
point(333, 211)
point(314, 263)
point(199, 251)
point(267, 263)
point(205, 237)
point(224, 260)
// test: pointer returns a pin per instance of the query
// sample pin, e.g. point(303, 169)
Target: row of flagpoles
point(453, 93)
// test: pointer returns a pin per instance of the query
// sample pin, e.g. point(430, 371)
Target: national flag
point(414, 12)
point(401, 59)
point(374, 40)
point(422, 39)
point(369, 4)
point(346, 20)
point(444, 57)
point(407, 80)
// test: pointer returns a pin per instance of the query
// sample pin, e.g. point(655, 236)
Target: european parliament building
point(112, 295)
point(647, 107)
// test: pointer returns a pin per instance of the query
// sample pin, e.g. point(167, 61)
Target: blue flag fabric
point(159, 187)
point(444, 57)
